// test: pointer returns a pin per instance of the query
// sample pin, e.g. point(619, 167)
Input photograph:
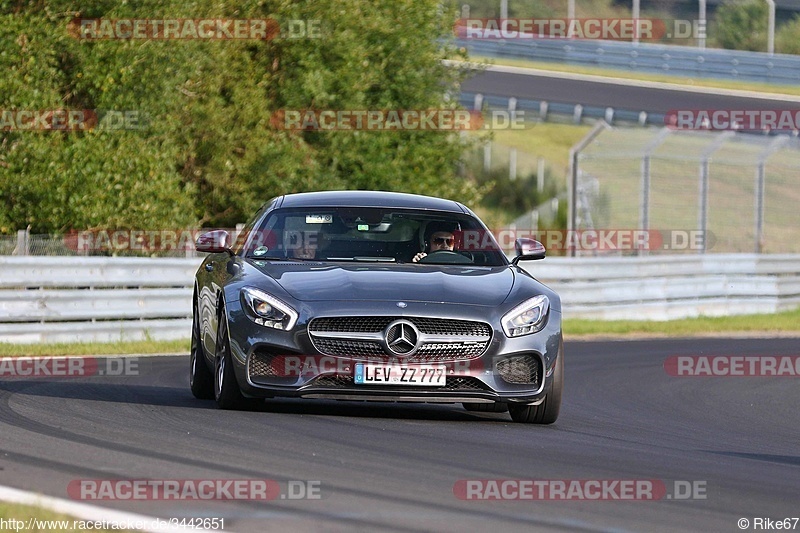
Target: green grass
point(9, 511)
point(788, 321)
point(95, 348)
point(552, 141)
point(644, 76)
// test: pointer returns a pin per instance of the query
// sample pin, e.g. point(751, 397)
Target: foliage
point(205, 152)
point(741, 25)
point(787, 37)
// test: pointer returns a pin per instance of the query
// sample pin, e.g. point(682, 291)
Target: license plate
point(387, 374)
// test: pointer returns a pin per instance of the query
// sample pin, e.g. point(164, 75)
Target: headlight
point(266, 310)
point(527, 317)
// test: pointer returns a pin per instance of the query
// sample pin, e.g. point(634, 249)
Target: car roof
point(370, 199)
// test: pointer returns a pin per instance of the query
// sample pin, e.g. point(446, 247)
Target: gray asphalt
point(392, 467)
point(600, 94)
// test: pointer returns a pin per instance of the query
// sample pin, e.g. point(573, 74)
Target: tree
point(206, 152)
point(787, 40)
point(741, 25)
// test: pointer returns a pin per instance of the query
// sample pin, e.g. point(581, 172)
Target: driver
point(438, 236)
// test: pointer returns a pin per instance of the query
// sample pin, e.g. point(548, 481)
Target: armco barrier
point(669, 287)
point(75, 299)
point(646, 57)
point(84, 299)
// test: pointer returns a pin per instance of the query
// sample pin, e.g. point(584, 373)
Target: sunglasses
point(444, 240)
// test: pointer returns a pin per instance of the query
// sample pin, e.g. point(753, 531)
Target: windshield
point(374, 235)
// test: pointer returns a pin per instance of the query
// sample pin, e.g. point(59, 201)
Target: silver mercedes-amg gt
point(357, 295)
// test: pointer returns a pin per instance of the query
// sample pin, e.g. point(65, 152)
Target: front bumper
point(274, 363)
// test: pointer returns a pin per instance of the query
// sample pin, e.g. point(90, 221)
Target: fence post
point(572, 180)
point(759, 189)
point(540, 176)
point(23, 243)
point(702, 217)
point(644, 206)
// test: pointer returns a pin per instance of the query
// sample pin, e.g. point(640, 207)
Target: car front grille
point(520, 369)
point(441, 339)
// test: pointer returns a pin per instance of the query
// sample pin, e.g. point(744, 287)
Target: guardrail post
point(577, 113)
point(572, 180)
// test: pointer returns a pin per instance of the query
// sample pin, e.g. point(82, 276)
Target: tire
point(201, 380)
point(226, 389)
point(495, 407)
point(547, 411)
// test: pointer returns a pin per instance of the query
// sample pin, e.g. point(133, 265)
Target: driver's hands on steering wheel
point(419, 256)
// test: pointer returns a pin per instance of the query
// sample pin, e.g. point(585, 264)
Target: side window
point(241, 237)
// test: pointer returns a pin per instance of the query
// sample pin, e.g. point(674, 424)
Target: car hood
point(451, 284)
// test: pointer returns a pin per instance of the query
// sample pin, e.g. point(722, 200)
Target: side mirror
point(214, 242)
point(527, 249)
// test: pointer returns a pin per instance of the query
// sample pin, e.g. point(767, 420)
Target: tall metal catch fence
point(740, 192)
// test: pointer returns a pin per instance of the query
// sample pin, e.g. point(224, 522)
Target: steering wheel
point(447, 257)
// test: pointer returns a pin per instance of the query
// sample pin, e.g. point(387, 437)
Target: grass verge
point(95, 348)
point(643, 76)
point(785, 322)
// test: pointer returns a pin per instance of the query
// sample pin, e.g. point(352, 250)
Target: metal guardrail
point(58, 299)
point(542, 109)
point(646, 57)
point(670, 287)
point(103, 299)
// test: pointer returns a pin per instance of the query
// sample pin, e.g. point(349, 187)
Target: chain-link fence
point(738, 192)
point(110, 243)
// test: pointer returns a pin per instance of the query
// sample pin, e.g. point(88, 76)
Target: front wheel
point(201, 380)
point(226, 389)
point(547, 411)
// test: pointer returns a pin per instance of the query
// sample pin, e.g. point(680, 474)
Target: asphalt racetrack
point(717, 449)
